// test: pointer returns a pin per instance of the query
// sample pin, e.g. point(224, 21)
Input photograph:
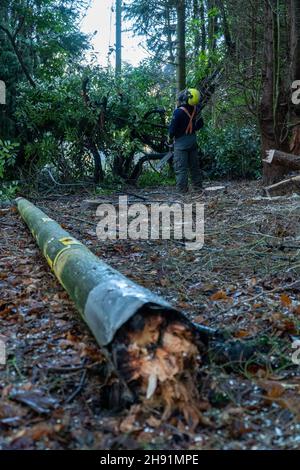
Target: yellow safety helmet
point(194, 96)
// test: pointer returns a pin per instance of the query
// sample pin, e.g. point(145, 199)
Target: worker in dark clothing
point(185, 122)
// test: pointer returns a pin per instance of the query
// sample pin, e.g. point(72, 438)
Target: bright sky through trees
point(101, 18)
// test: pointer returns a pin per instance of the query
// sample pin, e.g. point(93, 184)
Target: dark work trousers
point(186, 161)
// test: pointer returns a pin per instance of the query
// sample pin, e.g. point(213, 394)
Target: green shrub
point(57, 126)
point(7, 159)
point(8, 190)
point(231, 152)
point(7, 155)
point(152, 178)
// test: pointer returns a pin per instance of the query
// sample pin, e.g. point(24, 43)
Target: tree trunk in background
point(203, 26)
point(181, 55)
point(274, 103)
point(295, 38)
point(266, 106)
point(212, 26)
point(171, 57)
point(294, 19)
point(227, 34)
point(13, 41)
point(284, 187)
point(98, 170)
point(196, 18)
point(118, 37)
point(120, 313)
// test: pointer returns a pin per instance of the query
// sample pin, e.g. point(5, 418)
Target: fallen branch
point(78, 389)
point(137, 170)
point(79, 183)
point(288, 186)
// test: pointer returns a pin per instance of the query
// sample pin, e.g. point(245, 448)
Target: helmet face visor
point(194, 97)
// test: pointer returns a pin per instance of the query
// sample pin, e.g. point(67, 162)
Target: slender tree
point(221, 4)
point(118, 37)
point(203, 26)
point(181, 50)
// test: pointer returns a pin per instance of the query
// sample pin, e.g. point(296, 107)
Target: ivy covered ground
point(245, 280)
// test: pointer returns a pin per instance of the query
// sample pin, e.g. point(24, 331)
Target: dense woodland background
point(63, 109)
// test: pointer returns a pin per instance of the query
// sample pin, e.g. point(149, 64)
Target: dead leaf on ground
point(220, 295)
point(285, 300)
point(273, 389)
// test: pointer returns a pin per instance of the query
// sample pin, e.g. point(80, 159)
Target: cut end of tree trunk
point(157, 356)
point(269, 156)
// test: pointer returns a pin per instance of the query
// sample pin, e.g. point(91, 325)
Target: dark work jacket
point(180, 122)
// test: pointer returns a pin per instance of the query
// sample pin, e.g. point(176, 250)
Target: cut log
point(153, 349)
point(288, 186)
point(287, 160)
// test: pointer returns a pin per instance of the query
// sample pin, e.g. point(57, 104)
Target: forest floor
point(245, 280)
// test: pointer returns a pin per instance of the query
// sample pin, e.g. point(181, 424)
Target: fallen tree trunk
point(287, 160)
point(288, 186)
point(154, 350)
